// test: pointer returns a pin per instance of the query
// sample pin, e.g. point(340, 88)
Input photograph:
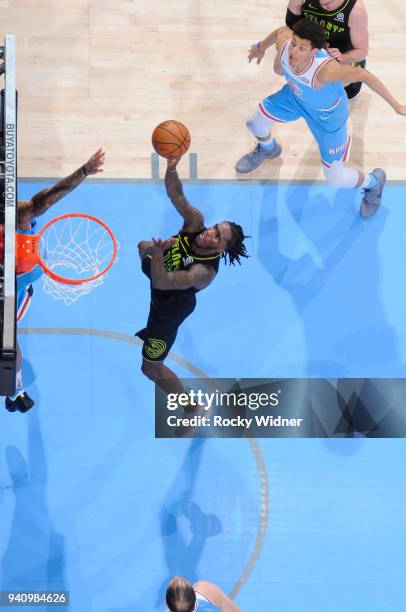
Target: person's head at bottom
point(180, 595)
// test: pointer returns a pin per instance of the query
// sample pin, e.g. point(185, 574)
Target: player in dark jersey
point(178, 268)
point(345, 23)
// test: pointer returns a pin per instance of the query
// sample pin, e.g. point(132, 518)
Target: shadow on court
point(35, 554)
point(184, 528)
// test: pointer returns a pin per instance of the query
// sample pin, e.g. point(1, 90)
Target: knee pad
point(259, 125)
point(337, 175)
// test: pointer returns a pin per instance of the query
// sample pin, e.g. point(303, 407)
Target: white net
point(75, 248)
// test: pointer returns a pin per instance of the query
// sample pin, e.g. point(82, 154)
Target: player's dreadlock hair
point(180, 596)
point(235, 247)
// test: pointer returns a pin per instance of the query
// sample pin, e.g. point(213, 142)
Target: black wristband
point(84, 170)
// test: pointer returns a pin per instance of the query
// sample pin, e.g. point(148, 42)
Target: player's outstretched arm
point(46, 198)
point(278, 38)
point(199, 276)
point(217, 596)
point(378, 87)
point(192, 217)
point(334, 71)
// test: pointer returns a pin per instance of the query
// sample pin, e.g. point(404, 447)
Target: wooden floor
point(105, 72)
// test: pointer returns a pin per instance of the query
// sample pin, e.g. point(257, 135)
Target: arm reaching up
point(40, 202)
point(192, 217)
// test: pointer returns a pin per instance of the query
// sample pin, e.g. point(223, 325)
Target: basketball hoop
point(74, 250)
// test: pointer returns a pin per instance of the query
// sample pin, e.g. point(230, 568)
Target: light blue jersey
point(203, 604)
point(324, 109)
point(327, 105)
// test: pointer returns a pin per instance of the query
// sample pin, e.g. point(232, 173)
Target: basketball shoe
point(252, 160)
point(21, 402)
point(373, 197)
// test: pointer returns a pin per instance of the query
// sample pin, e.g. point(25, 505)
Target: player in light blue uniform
point(27, 211)
point(314, 91)
point(203, 596)
point(325, 110)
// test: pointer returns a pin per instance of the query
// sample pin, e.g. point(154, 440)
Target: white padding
point(340, 176)
point(259, 125)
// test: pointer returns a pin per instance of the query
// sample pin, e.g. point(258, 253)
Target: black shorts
point(165, 317)
point(354, 88)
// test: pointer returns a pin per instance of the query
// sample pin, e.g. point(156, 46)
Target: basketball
point(171, 139)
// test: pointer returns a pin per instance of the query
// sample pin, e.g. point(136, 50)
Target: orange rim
point(58, 277)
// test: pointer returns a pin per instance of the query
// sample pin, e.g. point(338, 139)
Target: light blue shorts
point(329, 127)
